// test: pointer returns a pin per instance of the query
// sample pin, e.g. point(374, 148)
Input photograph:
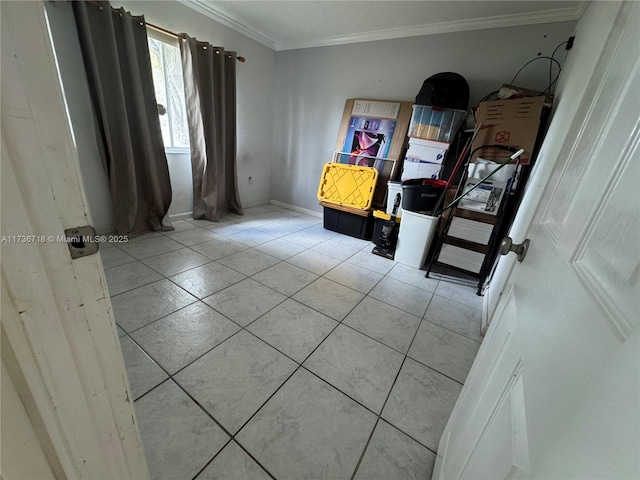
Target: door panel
point(553, 402)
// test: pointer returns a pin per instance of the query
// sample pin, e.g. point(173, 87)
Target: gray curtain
point(210, 93)
point(116, 58)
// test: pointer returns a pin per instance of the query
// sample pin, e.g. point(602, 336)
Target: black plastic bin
point(421, 194)
point(354, 225)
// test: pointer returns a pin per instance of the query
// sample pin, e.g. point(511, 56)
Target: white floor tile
point(219, 248)
point(355, 277)
point(143, 373)
point(233, 463)
point(234, 379)
point(245, 301)
point(357, 365)
point(251, 237)
point(293, 328)
point(207, 279)
point(329, 297)
point(443, 350)
point(460, 291)
point(455, 316)
point(420, 403)
point(313, 261)
point(149, 247)
point(308, 429)
point(178, 437)
point(280, 248)
point(193, 236)
point(176, 261)
point(402, 295)
point(113, 257)
point(181, 337)
point(141, 306)
point(364, 258)
point(285, 278)
point(249, 261)
point(129, 276)
point(393, 455)
point(389, 325)
point(413, 276)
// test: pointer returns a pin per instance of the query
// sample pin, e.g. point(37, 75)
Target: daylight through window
point(167, 79)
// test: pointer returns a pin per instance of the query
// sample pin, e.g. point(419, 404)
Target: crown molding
point(547, 16)
point(215, 14)
point(502, 21)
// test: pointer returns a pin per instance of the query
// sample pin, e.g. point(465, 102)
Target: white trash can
point(414, 239)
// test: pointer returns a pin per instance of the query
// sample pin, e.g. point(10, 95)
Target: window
point(167, 79)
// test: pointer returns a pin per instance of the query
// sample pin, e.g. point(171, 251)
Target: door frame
point(59, 339)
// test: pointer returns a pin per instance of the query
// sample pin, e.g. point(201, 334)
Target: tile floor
point(264, 346)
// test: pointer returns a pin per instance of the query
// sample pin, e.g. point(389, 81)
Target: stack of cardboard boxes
point(472, 235)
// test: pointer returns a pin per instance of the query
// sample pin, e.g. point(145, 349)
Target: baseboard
point(256, 203)
point(184, 216)
point(176, 217)
point(297, 209)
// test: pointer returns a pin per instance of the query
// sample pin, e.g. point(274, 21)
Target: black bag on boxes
point(444, 90)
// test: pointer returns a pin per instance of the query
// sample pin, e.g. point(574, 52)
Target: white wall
point(255, 104)
point(76, 90)
point(313, 84)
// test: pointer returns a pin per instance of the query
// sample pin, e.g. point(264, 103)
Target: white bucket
point(414, 239)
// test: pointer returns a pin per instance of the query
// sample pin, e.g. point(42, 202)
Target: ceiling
point(287, 25)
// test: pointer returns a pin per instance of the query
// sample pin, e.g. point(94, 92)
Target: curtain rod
point(240, 58)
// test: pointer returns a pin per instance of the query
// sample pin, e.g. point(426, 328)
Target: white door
point(59, 344)
point(555, 389)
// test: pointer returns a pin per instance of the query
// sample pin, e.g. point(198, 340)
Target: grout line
point(364, 450)
point(212, 459)
point(451, 330)
point(299, 364)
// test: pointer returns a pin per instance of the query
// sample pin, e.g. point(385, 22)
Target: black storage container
point(348, 223)
point(421, 194)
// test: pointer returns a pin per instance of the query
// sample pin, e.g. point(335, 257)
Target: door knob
point(519, 249)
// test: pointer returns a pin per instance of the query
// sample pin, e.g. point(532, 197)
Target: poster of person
point(367, 141)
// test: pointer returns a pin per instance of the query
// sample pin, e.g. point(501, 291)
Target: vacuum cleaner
point(386, 233)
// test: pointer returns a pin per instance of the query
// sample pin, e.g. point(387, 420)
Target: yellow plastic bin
point(347, 185)
point(346, 193)
point(414, 240)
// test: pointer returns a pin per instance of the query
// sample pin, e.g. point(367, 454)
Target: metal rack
point(461, 251)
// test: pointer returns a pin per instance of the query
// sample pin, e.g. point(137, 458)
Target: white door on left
point(59, 342)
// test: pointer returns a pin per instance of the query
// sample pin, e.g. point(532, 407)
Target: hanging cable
point(533, 60)
point(553, 56)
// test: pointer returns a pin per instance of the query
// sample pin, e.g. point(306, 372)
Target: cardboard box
point(512, 123)
point(426, 150)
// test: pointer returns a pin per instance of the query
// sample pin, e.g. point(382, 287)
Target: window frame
point(173, 41)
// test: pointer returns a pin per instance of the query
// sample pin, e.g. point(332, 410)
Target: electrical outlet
point(570, 43)
point(250, 181)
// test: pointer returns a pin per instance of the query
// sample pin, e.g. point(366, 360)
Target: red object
point(433, 182)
